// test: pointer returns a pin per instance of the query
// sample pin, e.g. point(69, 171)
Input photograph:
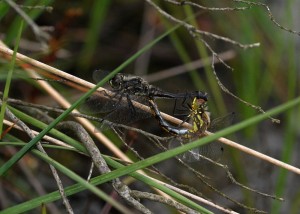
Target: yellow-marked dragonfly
point(200, 121)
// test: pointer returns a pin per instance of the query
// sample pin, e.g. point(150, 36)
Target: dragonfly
point(200, 122)
point(126, 89)
point(136, 85)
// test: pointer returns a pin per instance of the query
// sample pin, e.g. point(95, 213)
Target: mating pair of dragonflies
point(127, 88)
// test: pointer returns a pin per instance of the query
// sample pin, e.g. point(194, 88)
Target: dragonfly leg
point(131, 106)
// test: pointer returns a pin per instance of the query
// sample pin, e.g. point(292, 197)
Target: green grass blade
point(59, 135)
point(3, 9)
point(98, 14)
point(49, 146)
point(9, 76)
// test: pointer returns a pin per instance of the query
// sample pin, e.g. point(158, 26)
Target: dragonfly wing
point(221, 122)
point(100, 103)
point(99, 74)
point(189, 156)
point(212, 151)
point(113, 109)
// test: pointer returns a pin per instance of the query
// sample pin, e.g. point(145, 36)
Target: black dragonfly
point(126, 89)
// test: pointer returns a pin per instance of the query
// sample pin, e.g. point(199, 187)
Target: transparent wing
point(221, 122)
point(114, 109)
point(212, 151)
point(98, 75)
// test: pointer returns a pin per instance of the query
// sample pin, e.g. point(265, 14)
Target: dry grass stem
point(46, 137)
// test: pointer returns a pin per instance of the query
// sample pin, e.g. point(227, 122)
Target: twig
point(189, 28)
point(46, 137)
point(33, 179)
point(158, 198)
point(49, 9)
point(258, 108)
point(183, 2)
point(27, 130)
point(270, 15)
point(100, 163)
point(250, 6)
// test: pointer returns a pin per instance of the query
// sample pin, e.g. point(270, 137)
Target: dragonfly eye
point(116, 81)
point(202, 95)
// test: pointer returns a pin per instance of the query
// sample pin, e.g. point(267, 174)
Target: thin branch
point(33, 179)
point(158, 198)
point(27, 130)
point(49, 9)
point(250, 6)
point(204, 33)
point(101, 165)
point(46, 137)
point(258, 108)
point(270, 15)
point(183, 2)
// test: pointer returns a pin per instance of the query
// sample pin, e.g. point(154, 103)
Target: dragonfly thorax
point(199, 116)
point(129, 84)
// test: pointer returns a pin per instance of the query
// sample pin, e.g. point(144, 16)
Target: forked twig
point(190, 27)
point(270, 15)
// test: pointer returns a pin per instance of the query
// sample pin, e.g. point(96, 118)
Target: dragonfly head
point(116, 81)
point(201, 95)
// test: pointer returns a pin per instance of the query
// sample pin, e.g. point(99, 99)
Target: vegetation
point(242, 53)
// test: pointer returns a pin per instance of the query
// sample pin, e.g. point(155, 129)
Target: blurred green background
point(102, 34)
